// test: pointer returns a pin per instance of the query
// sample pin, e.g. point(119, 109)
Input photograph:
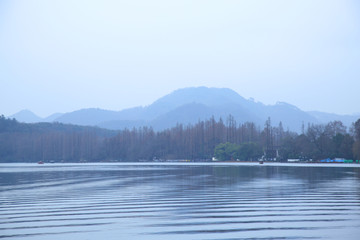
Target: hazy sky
point(64, 55)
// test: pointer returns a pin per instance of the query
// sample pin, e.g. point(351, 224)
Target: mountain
point(52, 117)
point(186, 106)
point(322, 117)
point(192, 104)
point(26, 116)
point(291, 117)
point(207, 96)
point(189, 105)
point(88, 117)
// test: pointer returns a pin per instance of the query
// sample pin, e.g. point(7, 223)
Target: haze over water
point(179, 201)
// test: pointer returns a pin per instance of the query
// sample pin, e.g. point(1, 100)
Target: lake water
point(179, 201)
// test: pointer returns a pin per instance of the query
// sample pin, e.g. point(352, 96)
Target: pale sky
point(64, 55)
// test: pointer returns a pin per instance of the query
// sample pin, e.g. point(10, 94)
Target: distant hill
point(26, 116)
point(88, 117)
point(322, 117)
point(52, 117)
point(188, 106)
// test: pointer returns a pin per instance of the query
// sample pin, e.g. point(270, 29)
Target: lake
point(179, 201)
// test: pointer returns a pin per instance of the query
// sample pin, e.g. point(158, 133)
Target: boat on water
point(40, 162)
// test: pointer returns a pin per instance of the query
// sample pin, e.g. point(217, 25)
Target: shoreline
point(227, 163)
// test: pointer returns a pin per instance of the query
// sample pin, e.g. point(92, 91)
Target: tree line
point(226, 140)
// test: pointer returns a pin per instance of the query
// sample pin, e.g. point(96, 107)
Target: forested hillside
point(225, 139)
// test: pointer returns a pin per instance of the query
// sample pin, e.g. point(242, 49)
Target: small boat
point(261, 162)
point(40, 162)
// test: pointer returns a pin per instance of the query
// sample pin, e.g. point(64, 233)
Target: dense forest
point(225, 140)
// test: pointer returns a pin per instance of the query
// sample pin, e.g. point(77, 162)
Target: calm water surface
point(179, 201)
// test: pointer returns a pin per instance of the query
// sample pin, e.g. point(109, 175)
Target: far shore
point(212, 163)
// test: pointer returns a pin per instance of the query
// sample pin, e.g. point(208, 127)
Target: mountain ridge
point(189, 105)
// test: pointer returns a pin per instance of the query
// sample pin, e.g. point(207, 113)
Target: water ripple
point(179, 202)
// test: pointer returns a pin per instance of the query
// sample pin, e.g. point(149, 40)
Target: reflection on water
point(178, 201)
